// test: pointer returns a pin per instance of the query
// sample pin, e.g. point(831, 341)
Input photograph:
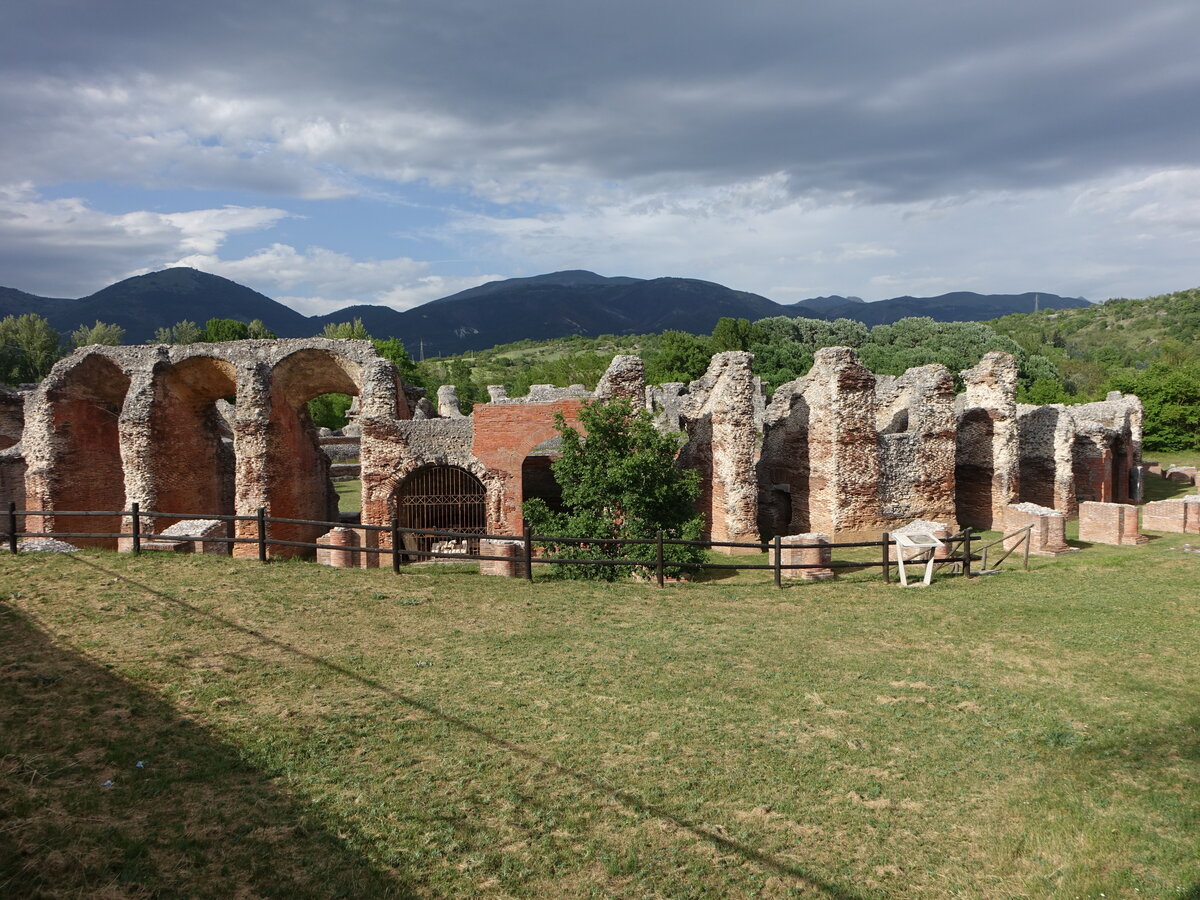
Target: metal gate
point(441, 498)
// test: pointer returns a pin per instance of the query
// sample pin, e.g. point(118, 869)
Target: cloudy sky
point(394, 151)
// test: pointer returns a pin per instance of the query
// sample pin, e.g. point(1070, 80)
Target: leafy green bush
point(620, 482)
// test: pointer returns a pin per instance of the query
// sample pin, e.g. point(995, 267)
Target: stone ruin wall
point(839, 451)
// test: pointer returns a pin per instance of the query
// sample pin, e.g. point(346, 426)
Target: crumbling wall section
point(987, 471)
point(625, 379)
point(504, 435)
point(1046, 440)
point(917, 430)
point(722, 414)
point(1108, 448)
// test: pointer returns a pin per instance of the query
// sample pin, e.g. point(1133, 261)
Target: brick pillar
point(806, 549)
point(346, 558)
point(1048, 536)
point(513, 564)
point(1109, 523)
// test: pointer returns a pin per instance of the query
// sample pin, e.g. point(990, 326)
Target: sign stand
point(909, 548)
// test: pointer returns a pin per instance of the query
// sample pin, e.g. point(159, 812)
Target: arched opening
point(440, 498)
point(87, 470)
point(297, 476)
point(537, 474)
point(191, 456)
point(974, 472)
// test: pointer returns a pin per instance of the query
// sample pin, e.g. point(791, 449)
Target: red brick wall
point(504, 435)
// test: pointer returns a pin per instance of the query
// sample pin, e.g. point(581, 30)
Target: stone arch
point(190, 456)
point(975, 470)
point(296, 470)
point(80, 465)
point(439, 497)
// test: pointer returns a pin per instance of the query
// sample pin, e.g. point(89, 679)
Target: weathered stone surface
point(805, 550)
point(722, 412)
point(12, 417)
point(511, 566)
point(1181, 474)
point(447, 404)
point(625, 379)
point(1046, 436)
point(987, 468)
point(839, 451)
point(198, 532)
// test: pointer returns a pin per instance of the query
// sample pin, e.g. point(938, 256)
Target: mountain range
point(543, 306)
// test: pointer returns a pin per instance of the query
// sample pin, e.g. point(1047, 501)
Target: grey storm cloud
point(873, 100)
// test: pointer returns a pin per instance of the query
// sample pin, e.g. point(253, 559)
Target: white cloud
point(63, 247)
point(332, 280)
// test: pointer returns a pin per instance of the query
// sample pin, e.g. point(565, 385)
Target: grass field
point(198, 726)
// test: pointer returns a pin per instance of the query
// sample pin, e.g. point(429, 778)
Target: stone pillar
point(513, 564)
point(987, 473)
point(806, 549)
point(843, 446)
point(344, 558)
point(1109, 523)
point(447, 396)
point(625, 379)
point(723, 414)
point(1048, 535)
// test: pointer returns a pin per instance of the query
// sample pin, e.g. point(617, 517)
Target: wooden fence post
point(262, 535)
point(659, 559)
point(137, 528)
point(1028, 535)
point(12, 526)
point(778, 562)
point(966, 553)
point(395, 545)
point(887, 558)
point(528, 552)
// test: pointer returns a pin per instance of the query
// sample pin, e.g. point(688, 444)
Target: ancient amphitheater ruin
point(840, 451)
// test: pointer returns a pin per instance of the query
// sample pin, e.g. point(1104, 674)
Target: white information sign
point(909, 548)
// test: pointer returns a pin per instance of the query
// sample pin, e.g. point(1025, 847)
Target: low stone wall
point(513, 564)
point(805, 550)
point(1181, 515)
point(1047, 536)
point(1109, 523)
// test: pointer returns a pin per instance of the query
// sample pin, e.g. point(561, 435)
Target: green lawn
point(310, 732)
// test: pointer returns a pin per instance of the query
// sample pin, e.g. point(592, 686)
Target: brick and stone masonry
point(805, 550)
point(1047, 536)
point(839, 451)
point(1109, 523)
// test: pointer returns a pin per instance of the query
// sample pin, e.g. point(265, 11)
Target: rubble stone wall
point(987, 466)
point(839, 451)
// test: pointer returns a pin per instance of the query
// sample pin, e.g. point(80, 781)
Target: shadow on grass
point(625, 798)
point(105, 790)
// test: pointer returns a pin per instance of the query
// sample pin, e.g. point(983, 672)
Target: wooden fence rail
point(960, 558)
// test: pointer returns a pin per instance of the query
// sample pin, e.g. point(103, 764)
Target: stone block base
point(1048, 535)
point(513, 564)
point(805, 549)
point(1109, 523)
point(349, 545)
point(161, 546)
point(1182, 474)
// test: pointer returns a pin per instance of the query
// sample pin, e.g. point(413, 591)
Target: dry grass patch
point(446, 734)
